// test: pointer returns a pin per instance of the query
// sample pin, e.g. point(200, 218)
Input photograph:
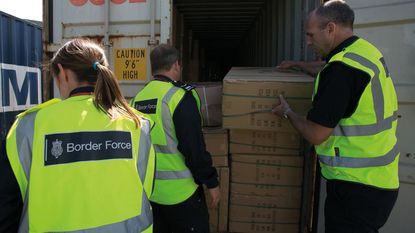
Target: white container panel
point(390, 26)
point(129, 28)
point(405, 133)
point(126, 19)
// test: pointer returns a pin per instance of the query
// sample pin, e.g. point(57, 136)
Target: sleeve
point(338, 94)
point(191, 143)
point(11, 203)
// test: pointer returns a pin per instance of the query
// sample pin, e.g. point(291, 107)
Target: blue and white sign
point(20, 87)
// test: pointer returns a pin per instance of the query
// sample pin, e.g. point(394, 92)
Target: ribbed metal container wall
point(20, 76)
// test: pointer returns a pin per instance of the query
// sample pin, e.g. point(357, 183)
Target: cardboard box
point(250, 93)
point(216, 140)
point(267, 82)
point(218, 217)
point(241, 213)
point(255, 227)
point(282, 200)
point(220, 161)
point(265, 169)
point(210, 94)
point(280, 193)
point(264, 142)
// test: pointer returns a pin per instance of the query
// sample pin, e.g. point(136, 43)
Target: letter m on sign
point(20, 87)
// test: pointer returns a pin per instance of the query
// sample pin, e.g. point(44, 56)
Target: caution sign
point(130, 63)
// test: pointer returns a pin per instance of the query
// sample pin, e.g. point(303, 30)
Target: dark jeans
point(188, 216)
point(356, 208)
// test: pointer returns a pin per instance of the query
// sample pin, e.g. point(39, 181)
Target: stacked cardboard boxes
point(266, 166)
point(210, 94)
point(217, 144)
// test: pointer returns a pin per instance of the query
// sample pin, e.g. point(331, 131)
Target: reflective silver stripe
point(24, 218)
point(355, 162)
point(171, 145)
point(144, 149)
point(365, 130)
point(165, 149)
point(385, 67)
point(377, 92)
point(24, 141)
point(133, 225)
point(378, 103)
point(173, 175)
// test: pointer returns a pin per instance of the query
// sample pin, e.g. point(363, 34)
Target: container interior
point(214, 35)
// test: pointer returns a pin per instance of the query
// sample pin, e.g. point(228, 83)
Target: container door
point(127, 28)
point(390, 26)
point(20, 76)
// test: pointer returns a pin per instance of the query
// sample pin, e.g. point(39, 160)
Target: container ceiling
point(219, 22)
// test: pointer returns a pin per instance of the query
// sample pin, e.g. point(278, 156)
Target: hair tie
point(94, 66)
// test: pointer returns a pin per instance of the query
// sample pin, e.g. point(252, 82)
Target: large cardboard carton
point(218, 217)
point(241, 213)
point(265, 169)
point(262, 214)
point(264, 142)
point(250, 93)
point(279, 192)
point(258, 227)
point(220, 161)
point(216, 140)
point(210, 94)
point(282, 200)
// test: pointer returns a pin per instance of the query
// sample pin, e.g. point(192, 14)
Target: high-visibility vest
point(81, 171)
point(174, 181)
point(362, 147)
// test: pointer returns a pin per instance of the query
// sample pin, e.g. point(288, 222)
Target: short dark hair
point(163, 57)
point(336, 11)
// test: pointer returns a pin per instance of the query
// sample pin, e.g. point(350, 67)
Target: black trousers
point(189, 216)
point(356, 208)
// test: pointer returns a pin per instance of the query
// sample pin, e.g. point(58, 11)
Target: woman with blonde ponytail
point(86, 163)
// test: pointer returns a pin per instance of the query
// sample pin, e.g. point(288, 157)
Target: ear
point(176, 66)
point(331, 27)
point(62, 73)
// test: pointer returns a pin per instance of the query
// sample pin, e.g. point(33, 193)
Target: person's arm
point(312, 67)
point(11, 203)
point(191, 144)
point(338, 95)
point(312, 132)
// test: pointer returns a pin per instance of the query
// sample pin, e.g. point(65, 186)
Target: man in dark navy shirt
point(183, 164)
point(358, 201)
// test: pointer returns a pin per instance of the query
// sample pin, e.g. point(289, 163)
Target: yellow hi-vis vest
point(80, 171)
point(362, 147)
point(174, 181)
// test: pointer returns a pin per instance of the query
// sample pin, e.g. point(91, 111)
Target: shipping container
point(20, 75)
point(215, 35)
point(212, 35)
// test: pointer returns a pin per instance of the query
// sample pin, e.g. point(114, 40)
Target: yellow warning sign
point(130, 63)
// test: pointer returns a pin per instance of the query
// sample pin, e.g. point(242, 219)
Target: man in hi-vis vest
point(352, 122)
point(182, 162)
